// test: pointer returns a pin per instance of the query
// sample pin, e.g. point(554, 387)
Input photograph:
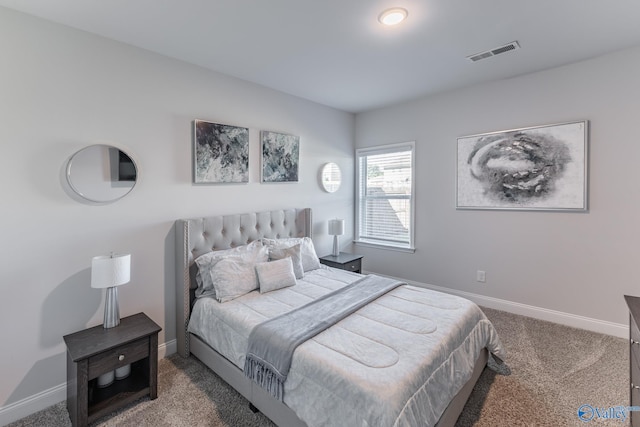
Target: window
point(384, 209)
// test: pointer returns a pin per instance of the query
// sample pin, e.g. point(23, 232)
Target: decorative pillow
point(233, 277)
point(310, 260)
point(296, 259)
point(207, 261)
point(275, 275)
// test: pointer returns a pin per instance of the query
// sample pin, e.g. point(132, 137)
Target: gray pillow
point(294, 253)
point(233, 277)
point(254, 251)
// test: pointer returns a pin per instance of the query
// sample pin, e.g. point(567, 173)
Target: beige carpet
point(550, 371)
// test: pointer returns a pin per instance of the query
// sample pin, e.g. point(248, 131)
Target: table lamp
point(336, 228)
point(109, 272)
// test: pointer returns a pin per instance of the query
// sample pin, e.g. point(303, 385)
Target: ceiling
point(336, 53)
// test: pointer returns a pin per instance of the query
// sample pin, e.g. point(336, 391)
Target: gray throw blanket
point(272, 343)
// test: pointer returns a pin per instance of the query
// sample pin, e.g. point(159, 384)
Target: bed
point(337, 359)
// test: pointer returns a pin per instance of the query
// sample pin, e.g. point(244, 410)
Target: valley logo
point(588, 413)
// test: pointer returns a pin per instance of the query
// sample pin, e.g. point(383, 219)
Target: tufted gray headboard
point(195, 237)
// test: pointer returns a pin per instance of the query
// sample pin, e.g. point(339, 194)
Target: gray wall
point(579, 264)
point(61, 90)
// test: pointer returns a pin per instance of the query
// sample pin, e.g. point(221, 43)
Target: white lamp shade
point(336, 227)
point(110, 270)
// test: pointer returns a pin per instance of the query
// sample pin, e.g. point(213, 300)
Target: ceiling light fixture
point(393, 16)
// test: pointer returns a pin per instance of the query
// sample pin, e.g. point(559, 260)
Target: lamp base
point(336, 250)
point(111, 309)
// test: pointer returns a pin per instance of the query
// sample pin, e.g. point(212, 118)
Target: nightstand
point(344, 261)
point(95, 351)
point(634, 356)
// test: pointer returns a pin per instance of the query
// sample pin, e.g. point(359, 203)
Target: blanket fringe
point(266, 378)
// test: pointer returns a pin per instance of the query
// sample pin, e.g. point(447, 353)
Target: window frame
point(377, 150)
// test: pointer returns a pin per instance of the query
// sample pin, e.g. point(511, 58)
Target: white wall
point(579, 264)
point(61, 90)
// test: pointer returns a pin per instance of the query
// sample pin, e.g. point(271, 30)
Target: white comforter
point(396, 362)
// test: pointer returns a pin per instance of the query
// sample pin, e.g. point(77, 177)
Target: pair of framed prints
point(221, 154)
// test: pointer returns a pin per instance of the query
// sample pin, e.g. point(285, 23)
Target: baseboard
point(46, 398)
point(167, 349)
point(31, 404)
point(568, 319)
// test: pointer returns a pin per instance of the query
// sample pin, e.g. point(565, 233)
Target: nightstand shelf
point(96, 351)
point(102, 400)
point(344, 261)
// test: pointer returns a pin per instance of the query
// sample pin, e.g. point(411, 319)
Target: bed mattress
point(396, 362)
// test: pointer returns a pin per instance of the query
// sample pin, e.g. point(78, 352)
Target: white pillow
point(296, 259)
point(233, 277)
point(310, 259)
point(207, 261)
point(275, 275)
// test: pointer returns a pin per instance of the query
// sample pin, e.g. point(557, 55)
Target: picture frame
point(534, 168)
point(220, 153)
point(280, 157)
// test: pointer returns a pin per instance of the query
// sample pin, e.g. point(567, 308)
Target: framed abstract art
point(535, 168)
point(220, 153)
point(280, 157)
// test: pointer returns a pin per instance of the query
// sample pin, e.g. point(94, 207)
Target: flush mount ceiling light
point(393, 16)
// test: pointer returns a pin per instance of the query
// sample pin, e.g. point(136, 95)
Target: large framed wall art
point(220, 153)
point(535, 168)
point(280, 157)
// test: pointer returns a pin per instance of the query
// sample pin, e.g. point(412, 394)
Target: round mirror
point(331, 177)
point(101, 173)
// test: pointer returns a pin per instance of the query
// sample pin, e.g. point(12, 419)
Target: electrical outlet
point(481, 276)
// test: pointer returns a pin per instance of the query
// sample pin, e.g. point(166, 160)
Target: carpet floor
point(549, 373)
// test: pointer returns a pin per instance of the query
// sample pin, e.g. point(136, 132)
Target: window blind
point(385, 195)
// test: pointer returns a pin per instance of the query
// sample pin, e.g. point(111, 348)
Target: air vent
point(493, 52)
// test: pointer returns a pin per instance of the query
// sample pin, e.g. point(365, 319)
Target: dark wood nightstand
point(344, 261)
point(634, 356)
point(95, 351)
